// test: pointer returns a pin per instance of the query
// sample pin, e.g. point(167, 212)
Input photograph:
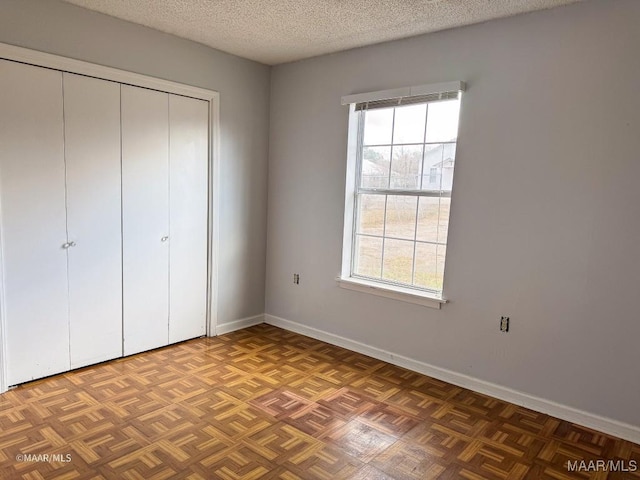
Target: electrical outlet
point(504, 324)
point(296, 278)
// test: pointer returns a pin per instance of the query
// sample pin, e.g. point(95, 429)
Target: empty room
point(319, 239)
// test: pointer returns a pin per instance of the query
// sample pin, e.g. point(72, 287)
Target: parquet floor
point(264, 403)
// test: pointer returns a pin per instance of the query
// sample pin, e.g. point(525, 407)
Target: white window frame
point(346, 280)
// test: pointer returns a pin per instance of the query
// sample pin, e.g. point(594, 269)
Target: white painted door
point(145, 218)
point(92, 154)
point(189, 150)
point(32, 202)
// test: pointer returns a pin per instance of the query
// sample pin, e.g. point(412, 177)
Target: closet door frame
point(56, 62)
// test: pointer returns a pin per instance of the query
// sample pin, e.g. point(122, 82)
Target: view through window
point(406, 158)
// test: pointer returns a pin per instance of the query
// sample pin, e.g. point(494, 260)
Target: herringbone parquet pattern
point(264, 403)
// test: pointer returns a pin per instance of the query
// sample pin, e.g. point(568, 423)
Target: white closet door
point(92, 153)
point(145, 218)
point(189, 132)
point(32, 200)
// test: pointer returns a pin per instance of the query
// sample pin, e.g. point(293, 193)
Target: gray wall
point(63, 29)
point(545, 222)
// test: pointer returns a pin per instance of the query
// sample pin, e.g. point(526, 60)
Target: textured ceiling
point(278, 31)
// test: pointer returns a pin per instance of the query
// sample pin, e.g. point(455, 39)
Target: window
point(402, 156)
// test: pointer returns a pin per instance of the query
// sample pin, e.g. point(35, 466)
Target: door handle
point(164, 239)
point(68, 245)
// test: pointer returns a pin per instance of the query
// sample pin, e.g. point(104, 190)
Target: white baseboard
point(563, 412)
point(228, 327)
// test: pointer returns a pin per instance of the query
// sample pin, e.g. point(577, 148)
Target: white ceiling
point(278, 31)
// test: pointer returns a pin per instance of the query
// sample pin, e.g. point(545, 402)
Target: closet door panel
point(32, 202)
point(145, 218)
point(189, 150)
point(92, 153)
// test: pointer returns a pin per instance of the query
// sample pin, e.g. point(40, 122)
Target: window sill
point(388, 291)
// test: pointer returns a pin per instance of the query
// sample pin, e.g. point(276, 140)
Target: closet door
point(92, 154)
point(32, 201)
point(145, 218)
point(189, 133)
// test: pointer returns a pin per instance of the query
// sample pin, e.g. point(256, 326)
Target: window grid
point(405, 193)
point(415, 229)
point(358, 235)
point(448, 142)
point(386, 199)
point(426, 242)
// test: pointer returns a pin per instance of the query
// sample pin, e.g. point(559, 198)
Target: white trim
point(3, 316)
point(240, 324)
point(456, 86)
point(349, 194)
point(390, 291)
point(564, 412)
point(56, 62)
point(214, 215)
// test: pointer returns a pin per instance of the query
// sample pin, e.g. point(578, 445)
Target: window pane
point(442, 253)
point(401, 216)
point(443, 221)
point(448, 164)
point(375, 167)
point(427, 274)
point(368, 256)
point(406, 166)
point(428, 219)
point(409, 124)
point(442, 121)
point(398, 261)
point(439, 163)
point(377, 126)
point(371, 214)
point(433, 219)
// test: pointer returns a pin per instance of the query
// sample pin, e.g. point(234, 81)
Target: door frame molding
point(79, 67)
